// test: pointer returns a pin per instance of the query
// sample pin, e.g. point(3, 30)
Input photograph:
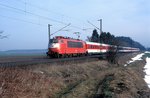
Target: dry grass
point(77, 80)
point(46, 81)
point(23, 83)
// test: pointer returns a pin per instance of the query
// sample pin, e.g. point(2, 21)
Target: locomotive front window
point(53, 41)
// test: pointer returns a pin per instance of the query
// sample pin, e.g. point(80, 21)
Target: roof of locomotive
point(69, 38)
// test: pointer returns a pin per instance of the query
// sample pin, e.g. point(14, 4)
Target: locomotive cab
point(53, 47)
point(53, 43)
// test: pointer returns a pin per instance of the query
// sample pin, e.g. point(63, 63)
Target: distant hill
point(24, 52)
point(127, 41)
point(148, 49)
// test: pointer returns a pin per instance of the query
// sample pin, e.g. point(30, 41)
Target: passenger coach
point(97, 48)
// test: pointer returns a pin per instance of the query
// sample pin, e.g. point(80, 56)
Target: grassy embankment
point(78, 80)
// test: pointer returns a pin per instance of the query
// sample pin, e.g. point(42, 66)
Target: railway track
point(45, 60)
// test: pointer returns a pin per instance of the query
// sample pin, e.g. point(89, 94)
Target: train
point(61, 47)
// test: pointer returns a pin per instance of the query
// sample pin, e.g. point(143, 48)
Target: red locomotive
point(67, 47)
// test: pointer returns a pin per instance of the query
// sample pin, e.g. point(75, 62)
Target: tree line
point(108, 38)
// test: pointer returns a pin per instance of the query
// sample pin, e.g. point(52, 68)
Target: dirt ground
point(98, 79)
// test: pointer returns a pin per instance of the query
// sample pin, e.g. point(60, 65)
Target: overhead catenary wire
point(21, 20)
point(93, 25)
point(39, 7)
point(47, 10)
point(61, 29)
point(43, 17)
point(12, 18)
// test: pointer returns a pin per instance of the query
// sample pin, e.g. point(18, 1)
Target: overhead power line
point(47, 10)
point(39, 7)
point(43, 17)
point(93, 25)
point(12, 18)
point(61, 29)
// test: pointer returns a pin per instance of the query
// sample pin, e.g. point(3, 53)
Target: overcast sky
point(25, 21)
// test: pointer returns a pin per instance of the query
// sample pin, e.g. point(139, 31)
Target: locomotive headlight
point(56, 45)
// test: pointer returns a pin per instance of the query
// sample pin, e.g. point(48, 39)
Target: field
point(18, 53)
point(90, 79)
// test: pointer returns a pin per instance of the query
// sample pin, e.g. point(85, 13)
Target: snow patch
point(147, 52)
point(138, 57)
point(41, 72)
point(147, 70)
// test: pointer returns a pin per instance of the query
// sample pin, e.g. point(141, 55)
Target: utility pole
point(49, 33)
point(100, 27)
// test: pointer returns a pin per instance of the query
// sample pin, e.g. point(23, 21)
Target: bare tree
point(112, 54)
point(88, 38)
point(2, 36)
